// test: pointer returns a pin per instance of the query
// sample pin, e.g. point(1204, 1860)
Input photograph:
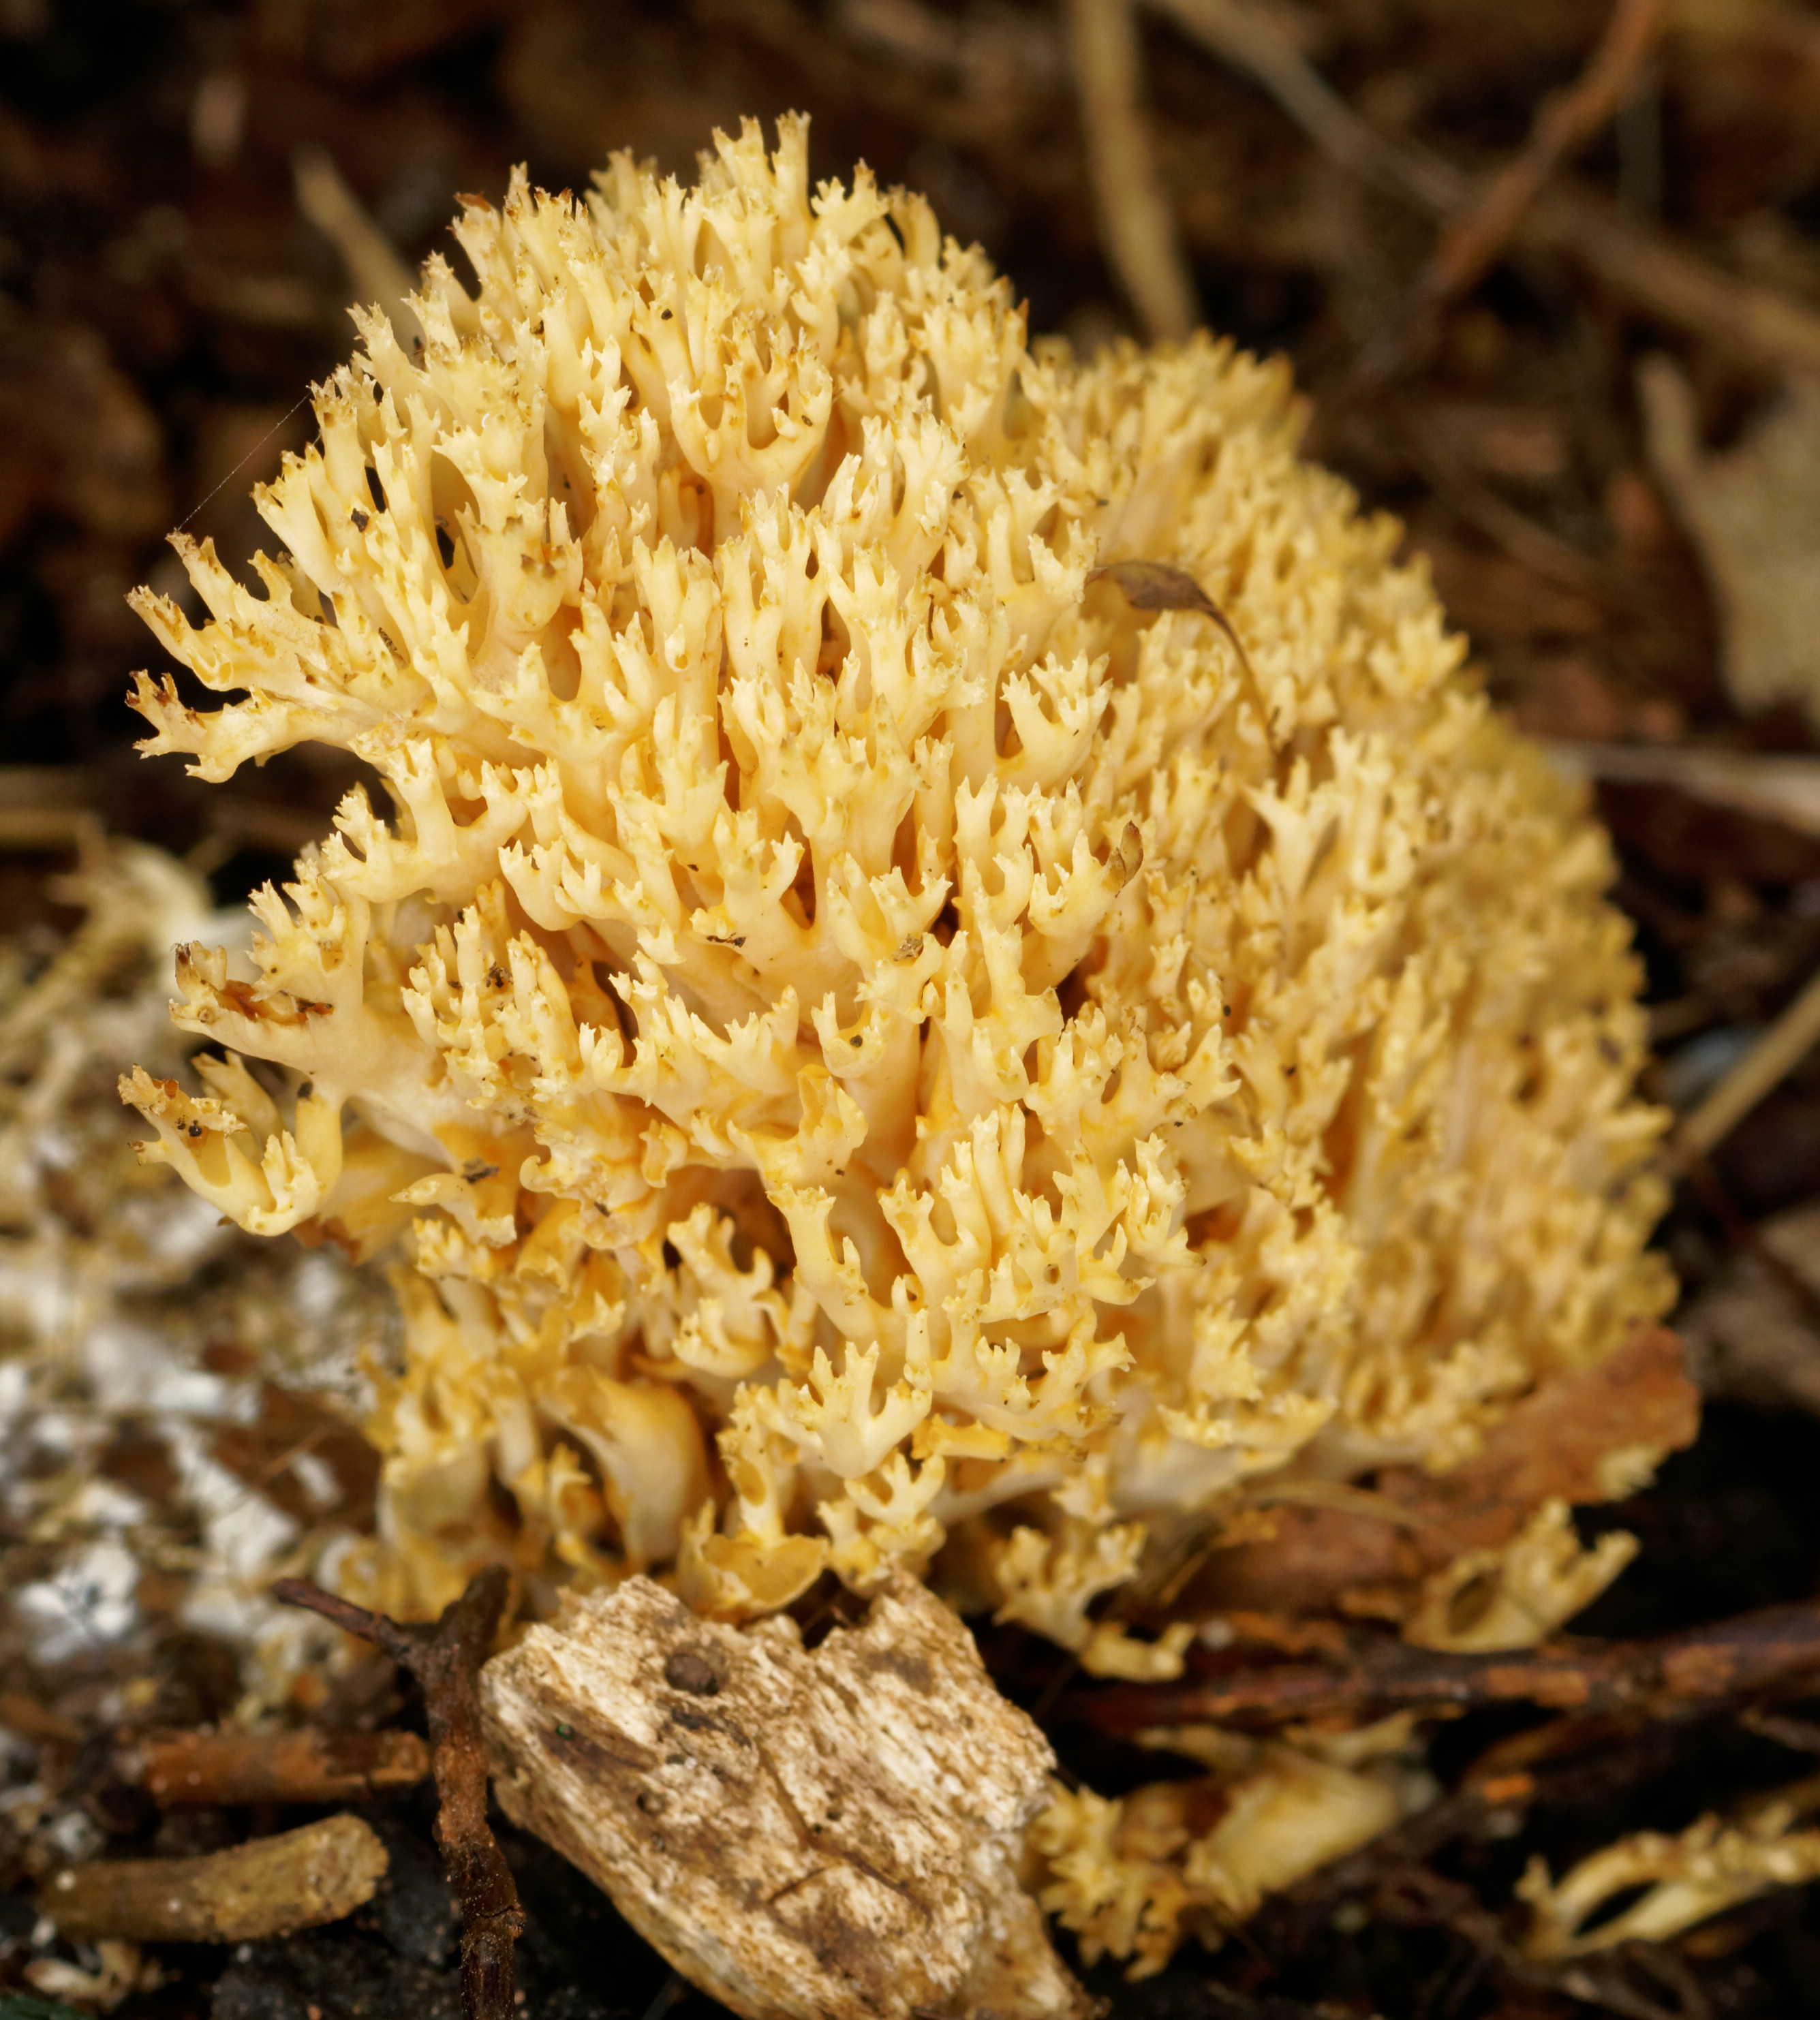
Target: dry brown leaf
point(1754, 513)
point(1583, 1437)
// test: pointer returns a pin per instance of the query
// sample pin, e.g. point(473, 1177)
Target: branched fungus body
point(866, 1035)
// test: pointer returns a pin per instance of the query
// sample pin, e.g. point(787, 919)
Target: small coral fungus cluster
point(864, 1034)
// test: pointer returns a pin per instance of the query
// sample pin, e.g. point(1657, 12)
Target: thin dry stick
point(1777, 788)
point(1753, 325)
point(1135, 222)
point(445, 1660)
point(1663, 1678)
point(1477, 236)
point(31, 829)
point(45, 805)
point(373, 263)
point(200, 1769)
point(1778, 1052)
point(267, 1886)
point(1472, 245)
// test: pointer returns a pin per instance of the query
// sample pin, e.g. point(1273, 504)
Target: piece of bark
point(830, 1835)
point(202, 1770)
point(267, 1886)
point(1560, 1442)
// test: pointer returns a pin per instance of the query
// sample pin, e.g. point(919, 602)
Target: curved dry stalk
point(1136, 224)
point(445, 1660)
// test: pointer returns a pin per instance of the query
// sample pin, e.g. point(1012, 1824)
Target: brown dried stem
point(198, 1770)
point(1136, 223)
point(1675, 1674)
point(445, 1660)
point(268, 1886)
point(1472, 245)
point(1477, 237)
point(1752, 325)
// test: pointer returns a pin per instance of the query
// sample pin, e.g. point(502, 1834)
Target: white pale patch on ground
point(118, 1286)
point(133, 1368)
point(90, 1602)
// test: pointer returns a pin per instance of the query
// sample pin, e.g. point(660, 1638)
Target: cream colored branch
point(1711, 1866)
point(1136, 225)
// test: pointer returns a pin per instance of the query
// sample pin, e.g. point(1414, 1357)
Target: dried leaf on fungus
point(1592, 1436)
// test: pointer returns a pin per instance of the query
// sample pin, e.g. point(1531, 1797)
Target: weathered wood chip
point(267, 1886)
point(821, 1834)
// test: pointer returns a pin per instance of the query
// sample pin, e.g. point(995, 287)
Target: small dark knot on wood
point(685, 1670)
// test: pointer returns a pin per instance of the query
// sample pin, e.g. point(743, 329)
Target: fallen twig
point(445, 1660)
point(1245, 36)
point(268, 1886)
point(1730, 1658)
point(1780, 1049)
point(374, 267)
point(1475, 239)
point(1136, 223)
point(1741, 321)
point(198, 1770)
point(46, 807)
point(1566, 121)
point(1778, 788)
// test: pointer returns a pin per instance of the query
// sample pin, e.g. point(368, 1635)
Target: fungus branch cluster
point(865, 1036)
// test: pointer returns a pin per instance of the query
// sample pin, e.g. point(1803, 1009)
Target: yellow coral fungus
point(868, 1031)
